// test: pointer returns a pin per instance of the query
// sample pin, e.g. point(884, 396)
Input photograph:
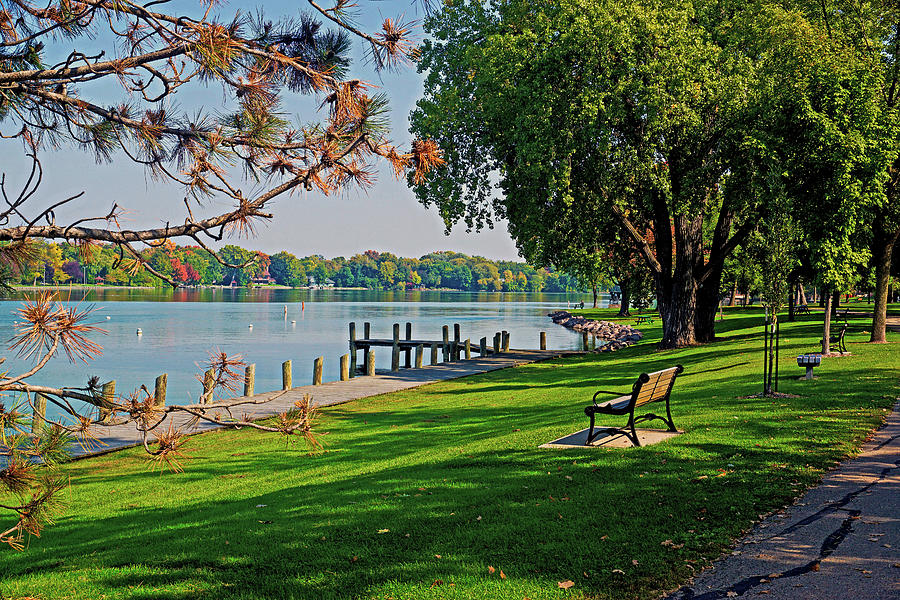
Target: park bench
point(838, 340)
point(803, 309)
point(649, 387)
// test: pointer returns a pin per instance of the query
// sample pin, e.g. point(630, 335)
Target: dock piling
point(287, 376)
point(420, 350)
point(159, 391)
point(367, 333)
point(395, 349)
point(249, 379)
point(353, 344)
point(434, 353)
point(543, 340)
point(456, 332)
point(209, 382)
point(407, 354)
point(584, 340)
point(345, 367)
point(482, 347)
point(370, 363)
point(317, 370)
point(505, 338)
point(497, 343)
point(39, 420)
point(109, 395)
point(468, 348)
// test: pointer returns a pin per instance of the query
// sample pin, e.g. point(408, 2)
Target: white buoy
point(293, 322)
point(108, 317)
point(139, 332)
point(250, 326)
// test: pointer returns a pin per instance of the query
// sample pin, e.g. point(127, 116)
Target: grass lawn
point(433, 492)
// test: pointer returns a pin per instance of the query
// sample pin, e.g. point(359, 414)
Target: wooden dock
point(338, 392)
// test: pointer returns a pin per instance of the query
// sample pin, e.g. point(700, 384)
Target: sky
point(385, 217)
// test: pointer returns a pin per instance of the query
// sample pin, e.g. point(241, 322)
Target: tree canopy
point(677, 120)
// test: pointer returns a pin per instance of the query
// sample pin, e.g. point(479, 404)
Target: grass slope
point(419, 493)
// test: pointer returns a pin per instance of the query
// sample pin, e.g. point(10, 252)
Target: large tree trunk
point(625, 299)
point(882, 251)
point(826, 335)
point(707, 307)
point(731, 300)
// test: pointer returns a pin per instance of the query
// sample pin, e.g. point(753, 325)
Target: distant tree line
point(65, 263)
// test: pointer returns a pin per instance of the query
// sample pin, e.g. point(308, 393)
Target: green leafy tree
point(286, 269)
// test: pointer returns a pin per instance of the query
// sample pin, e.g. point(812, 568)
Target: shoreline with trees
point(63, 264)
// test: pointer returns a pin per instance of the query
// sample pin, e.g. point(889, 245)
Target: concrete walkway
point(841, 540)
point(335, 392)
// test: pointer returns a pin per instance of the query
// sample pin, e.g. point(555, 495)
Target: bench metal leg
point(669, 421)
point(633, 436)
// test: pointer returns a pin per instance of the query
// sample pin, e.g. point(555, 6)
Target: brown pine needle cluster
point(47, 324)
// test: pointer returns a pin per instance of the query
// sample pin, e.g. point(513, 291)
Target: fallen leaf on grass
point(383, 530)
point(634, 562)
point(566, 584)
point(437, 582)
point(731, 594)
point(618, 571)
point(491, 570)
point(671, 544)
point(354, 559)
point(502, 574)
point(437, 556)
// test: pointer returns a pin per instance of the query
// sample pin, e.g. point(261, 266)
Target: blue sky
point(384, 217)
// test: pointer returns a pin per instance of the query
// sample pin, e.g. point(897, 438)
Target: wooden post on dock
point(434, 353)
point(408, 352)
point(109, 395)
point(39, 418)
point(482, 347)
point(420, 350)
point(345, 367)
point(209, 382)
point(456, 333)
point(497, 343)
point(249, 380)
point(543, 340)
point(159, 391)
point(317, 370)
point(445, 337)
point(287, 376)
point(367, 333)
point(468, 348)
point(505, 341)
point(584, 340)
point(370, 363)
point(353, 347)
point(395, 349)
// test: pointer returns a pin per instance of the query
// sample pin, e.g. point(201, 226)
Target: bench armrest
point(598, 392)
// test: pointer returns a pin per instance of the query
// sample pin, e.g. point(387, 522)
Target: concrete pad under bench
point(648, 437)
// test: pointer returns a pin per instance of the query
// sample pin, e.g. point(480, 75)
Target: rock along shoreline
point(616, 335)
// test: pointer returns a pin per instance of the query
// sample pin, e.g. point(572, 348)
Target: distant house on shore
point(263, 278)
point(329, 283)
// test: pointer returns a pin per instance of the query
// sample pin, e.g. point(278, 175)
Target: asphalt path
point(841, 540)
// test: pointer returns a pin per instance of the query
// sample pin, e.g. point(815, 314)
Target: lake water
point(181, 327)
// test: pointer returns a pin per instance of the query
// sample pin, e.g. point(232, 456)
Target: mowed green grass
point(419, 494)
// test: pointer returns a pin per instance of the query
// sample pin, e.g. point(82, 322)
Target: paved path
point(842, 540)
point(337, 392)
